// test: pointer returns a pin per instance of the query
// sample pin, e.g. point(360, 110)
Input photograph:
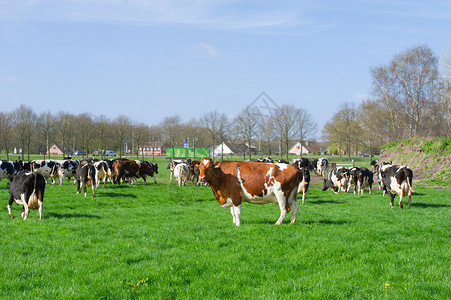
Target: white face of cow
point(205, 169)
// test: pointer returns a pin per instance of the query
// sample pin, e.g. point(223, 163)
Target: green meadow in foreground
point(162, 241)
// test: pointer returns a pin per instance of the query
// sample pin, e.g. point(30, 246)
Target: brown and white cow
point(234, 182)
point(27, 189)
point(397, 180)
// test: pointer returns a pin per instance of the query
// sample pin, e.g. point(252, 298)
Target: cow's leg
point(25, 206)
point(84, 187)
point(392, 199)
point(10, 202)
point(236, 213)
point(400, 201)
point(93, 190)
point(40, 209)
point(303, 197)
point(294, 206)
point(282, 201)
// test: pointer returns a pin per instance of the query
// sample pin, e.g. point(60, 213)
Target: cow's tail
point(409, 175)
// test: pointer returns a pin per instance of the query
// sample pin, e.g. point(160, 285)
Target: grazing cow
point(361, 178)
point(181, 172)
point(85, 177)
point(101, 172)
point(397, 180)
point(27, 189)
point(305, 182)
point(66, 168)
point(7, 169)
point(265, 160)
point(48, 168)
point(321, 166)
point(234, 182)
point(337, 180)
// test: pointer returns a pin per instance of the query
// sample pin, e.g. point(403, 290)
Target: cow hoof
point(11, 216)
point(93, 196)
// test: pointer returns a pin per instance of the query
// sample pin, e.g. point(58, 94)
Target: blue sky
point(152, 59)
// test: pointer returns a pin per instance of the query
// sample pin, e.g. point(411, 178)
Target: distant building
point(155, 148)
point(307, 148)
point(224, 149)
point(55, 150)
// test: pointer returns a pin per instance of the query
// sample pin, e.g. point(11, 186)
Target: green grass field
point(163, 242)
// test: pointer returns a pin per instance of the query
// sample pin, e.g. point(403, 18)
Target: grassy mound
point(430, 160)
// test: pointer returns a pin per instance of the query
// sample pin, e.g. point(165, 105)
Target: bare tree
point(285, 127)
point(86, 131)
point(65, 131)
point(102, 130)
point(45, 128)
point(171, 131)
point(6, 131)
point(246, 127)
point(121, 126)
point(155, 135)
point(140, 132)
point(306, 126)
point(24, 120)
point(210, 122)
point(344, 130)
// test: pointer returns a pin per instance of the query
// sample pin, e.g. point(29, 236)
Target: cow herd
point(232, 182)
point(27, 179)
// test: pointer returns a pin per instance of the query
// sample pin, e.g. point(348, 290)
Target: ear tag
point(217, 166)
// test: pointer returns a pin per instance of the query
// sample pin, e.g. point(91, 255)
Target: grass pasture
point(163, 242)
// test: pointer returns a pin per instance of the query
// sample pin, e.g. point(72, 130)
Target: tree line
point(410, 98)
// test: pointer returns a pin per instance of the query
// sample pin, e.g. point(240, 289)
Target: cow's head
point(206, 166)
point(329, 184)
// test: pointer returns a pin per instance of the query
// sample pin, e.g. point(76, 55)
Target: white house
point(296, 149)
point(222, 148)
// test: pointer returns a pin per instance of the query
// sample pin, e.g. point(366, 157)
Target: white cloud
point(209, 49)
point(212, 13)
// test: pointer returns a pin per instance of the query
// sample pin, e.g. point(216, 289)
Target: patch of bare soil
point(423, 166)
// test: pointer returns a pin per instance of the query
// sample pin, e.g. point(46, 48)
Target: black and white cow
point(8, 169)
point(48, 168)
point(265, 160)
point(360, 178)
point(337, 180)
point(85, 176)
point(66, 169)
point(305, 182)
point(101, 172)
point(377, 170)
point(321, 166)
point(27, 189)
point(397, 180)
point(302, 162)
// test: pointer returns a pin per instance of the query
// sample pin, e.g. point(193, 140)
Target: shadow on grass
point(70, 216)
point(325, 201)
point(115, 195)
point(327, 222)
point(427, 205)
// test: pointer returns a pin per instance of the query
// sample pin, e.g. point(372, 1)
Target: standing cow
point(181, 173)
point(234, 182)
point(85, 177)
point(337, 180)
point(397, 180)
point(27, 189)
